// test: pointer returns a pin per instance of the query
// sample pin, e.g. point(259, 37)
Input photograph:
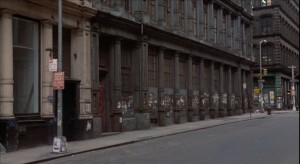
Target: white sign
point(244, 85)
point(53, 65)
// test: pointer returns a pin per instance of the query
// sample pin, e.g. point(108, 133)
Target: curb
point(145, 139)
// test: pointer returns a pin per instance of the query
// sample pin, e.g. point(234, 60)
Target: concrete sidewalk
point(44, 153)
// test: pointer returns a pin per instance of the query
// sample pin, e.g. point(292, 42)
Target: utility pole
point(293, 92)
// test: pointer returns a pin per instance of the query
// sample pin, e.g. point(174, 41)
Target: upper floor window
point(127, 5)
point(267, 54)
point(151, 9)
point(167, 11)
point(168, 71)
point(126, 65)
point(205, 21)
point(182, 73)
point(266, 25)
point(152, 68)
point(265, 3)
point(182, 15)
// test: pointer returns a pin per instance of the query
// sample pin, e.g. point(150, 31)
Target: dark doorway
point(103, 94)
point(70, 108)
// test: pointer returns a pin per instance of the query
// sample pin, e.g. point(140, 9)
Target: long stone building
point(128, 65)
point(277, 22)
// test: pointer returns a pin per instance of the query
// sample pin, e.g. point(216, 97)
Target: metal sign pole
point(59, 142)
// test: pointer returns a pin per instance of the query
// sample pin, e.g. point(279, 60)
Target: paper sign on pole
point(53, 65)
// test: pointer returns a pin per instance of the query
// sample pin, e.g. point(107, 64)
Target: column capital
point(48, 21)
point(176, 54)
point(7, 11)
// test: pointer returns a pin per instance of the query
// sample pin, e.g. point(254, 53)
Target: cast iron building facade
point(128, 64)
point(277, 21)
point(170, 61)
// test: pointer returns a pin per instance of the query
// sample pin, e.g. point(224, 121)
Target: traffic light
point(265, 72)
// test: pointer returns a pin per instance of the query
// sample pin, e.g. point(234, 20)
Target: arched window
point(266, 25)
point(267, 54)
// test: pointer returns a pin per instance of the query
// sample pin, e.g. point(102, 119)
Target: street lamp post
point(260, 78)
point(293, 92)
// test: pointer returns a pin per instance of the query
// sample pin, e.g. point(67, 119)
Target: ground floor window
point(26, 66)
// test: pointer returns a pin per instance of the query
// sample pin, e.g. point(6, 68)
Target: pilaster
point(81, 65)
point(47, 76)
point(6, 65)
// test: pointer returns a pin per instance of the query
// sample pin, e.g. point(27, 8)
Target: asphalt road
point(272, 140)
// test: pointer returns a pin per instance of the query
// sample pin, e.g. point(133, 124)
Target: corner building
point(28, 39)
point(277, 22)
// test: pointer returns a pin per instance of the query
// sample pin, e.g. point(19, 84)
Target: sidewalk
point(44, 153)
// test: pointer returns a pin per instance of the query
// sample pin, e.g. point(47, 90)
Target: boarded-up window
point(126, 65)
point(152, 67)
point(169, 71)
point(195, 75)
point(182, 73)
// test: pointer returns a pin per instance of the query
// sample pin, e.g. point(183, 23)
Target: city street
point(272, 140)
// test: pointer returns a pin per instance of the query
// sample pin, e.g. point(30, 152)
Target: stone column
point(212, 106)
point(161, 110)
point(117, 113)
point(177, 109)
point(238, 91)
point(6, 66)
point(201, 91)
point(244, 92)
point(190, 88)
point(223, 98)
point(229, 93)
point(220, 27)
point(142, 115)
point(47, 76)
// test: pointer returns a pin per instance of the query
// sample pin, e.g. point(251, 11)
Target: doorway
point(103, 98)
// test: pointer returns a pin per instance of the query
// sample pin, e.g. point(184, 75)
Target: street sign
point(256, 91)
point(58, 81)
point(53, 65)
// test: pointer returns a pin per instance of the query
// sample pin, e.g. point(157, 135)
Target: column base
point(190, 114)
point(222, 113)
point(229, 112)
point(212, 113)
point(201, 114)
point(177, 116)
point(161, 118)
